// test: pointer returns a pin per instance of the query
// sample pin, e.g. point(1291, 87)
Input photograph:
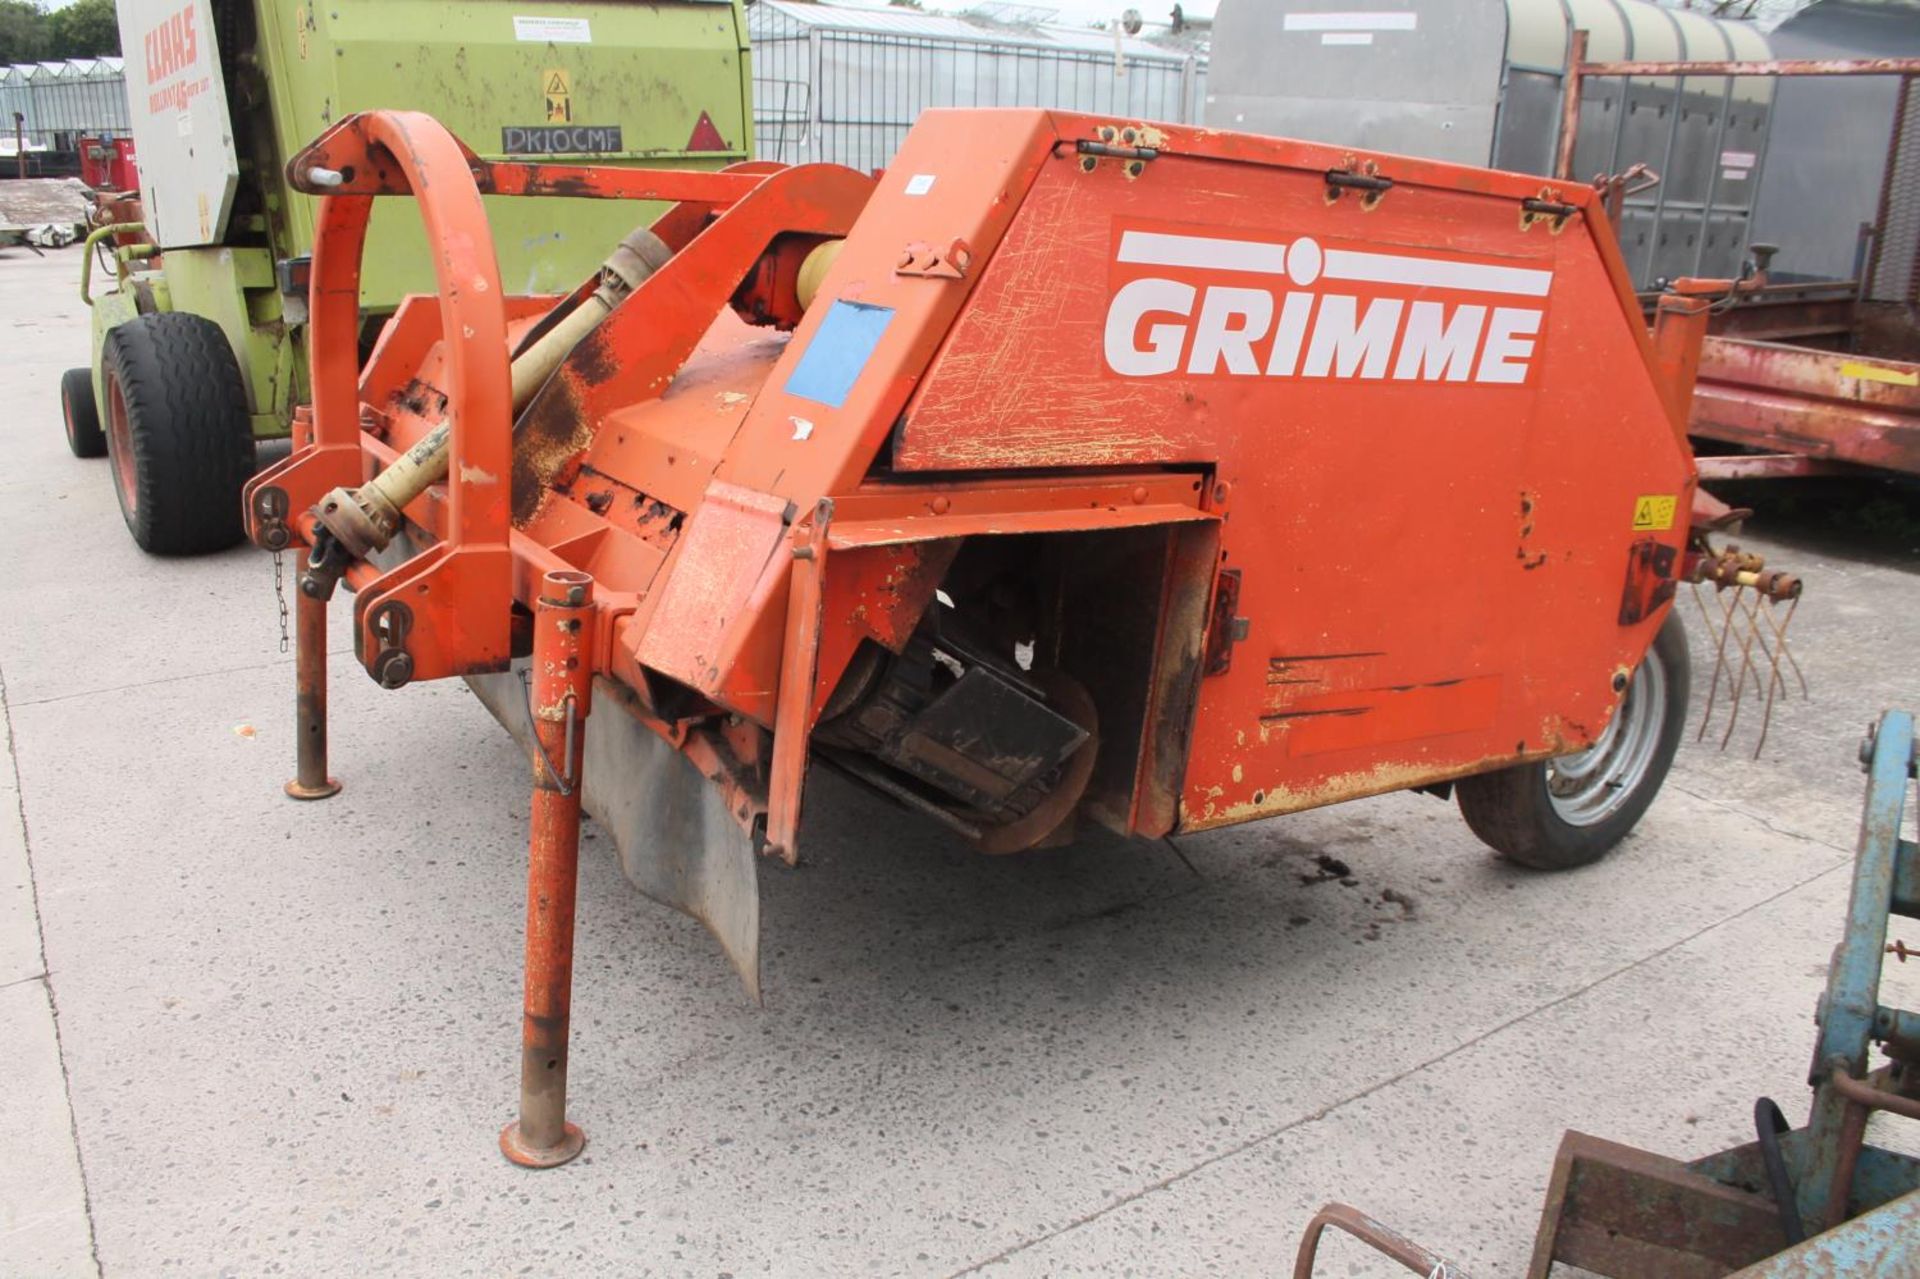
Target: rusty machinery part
point(1813, 1200)
point(310, 780)
point(1747, 615)
point(1618, 1211)
point(363, 520)
point(1614, 188)
point(1045, 511)
point(1382, 1239)
point(998, 754)
point(560, 698)
point(1731, 566)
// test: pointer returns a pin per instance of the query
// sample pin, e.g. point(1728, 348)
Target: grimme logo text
point(1186, 321)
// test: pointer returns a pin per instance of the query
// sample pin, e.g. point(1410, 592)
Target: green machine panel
point(659, 84)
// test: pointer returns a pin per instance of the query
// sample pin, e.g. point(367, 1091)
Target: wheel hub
point(1590, 786)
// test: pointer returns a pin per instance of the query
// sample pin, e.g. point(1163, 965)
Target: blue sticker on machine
point(840, 349)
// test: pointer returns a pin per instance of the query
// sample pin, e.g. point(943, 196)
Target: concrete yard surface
point(244, 1036)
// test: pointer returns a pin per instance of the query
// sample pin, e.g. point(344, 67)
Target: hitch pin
point(325, 177)
point(563, 774)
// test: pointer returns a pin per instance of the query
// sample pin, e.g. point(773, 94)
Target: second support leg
point(310, 780)
point(562, 682)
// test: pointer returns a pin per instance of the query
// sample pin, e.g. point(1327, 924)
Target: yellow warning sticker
point(1875, 373)
point(1653, 513)
point(556, 85)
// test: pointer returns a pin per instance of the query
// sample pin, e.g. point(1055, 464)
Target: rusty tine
point(1719, 660)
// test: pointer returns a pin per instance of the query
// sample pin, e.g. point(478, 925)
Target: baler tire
point(1513, 811)
point(178, 432)
point(80, 414)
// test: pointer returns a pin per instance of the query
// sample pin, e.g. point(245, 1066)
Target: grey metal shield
point(677, 842)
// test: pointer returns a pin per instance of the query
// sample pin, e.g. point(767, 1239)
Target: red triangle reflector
point(706, 137)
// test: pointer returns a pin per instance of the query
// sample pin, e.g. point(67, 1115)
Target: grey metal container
point(1479, 82)
point(1834, 163)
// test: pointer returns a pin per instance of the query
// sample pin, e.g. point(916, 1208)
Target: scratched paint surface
point(1425, 473)
point(1432, 559)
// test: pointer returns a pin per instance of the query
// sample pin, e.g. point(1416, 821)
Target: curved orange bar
point(436, 170)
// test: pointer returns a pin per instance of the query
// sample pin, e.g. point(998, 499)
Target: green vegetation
point(30, 32)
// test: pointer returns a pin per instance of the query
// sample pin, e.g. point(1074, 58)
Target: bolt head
point(396, 669)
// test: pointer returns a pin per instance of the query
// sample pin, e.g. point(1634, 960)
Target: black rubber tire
point(1513, 814)
point(186, 426)
point(81, 415)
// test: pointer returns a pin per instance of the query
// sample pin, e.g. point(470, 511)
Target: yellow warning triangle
point(558, 85)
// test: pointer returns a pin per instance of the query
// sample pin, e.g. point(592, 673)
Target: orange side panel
point(1429, 423)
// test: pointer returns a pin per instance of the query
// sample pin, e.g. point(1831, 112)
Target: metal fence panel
point(57, 102)
point(849, 97)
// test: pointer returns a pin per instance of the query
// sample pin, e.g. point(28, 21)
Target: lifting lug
point(270, 507)
point(392, 666)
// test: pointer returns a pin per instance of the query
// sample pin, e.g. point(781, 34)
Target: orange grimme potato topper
point(1072, 471)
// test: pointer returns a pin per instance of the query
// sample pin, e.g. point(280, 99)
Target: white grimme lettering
point(1343, 343)
point(1314, 335)
point(1288, 336)
point(1230, 321)
point(1509, 345)
point(1434, 347)
point(1133, 304)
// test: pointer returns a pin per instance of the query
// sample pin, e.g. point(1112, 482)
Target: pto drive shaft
point(359, 522)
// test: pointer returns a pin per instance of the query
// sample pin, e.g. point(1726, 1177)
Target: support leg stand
point(310, 780)
point(562, 682)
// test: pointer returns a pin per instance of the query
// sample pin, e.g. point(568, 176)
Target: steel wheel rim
point(120, 445)
point(1592, 785)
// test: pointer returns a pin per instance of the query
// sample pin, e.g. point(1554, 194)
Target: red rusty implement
point(1073, 472)
point(1819, 411)
point(1823, 406)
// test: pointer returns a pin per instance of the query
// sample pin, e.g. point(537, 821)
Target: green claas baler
point(198, 344)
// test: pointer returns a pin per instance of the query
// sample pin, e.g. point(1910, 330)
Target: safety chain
point(280, 596)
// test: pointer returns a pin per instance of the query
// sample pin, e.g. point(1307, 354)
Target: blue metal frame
point(1875, 1245)
point(1851, 1017)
